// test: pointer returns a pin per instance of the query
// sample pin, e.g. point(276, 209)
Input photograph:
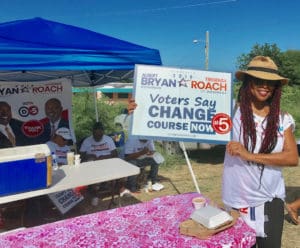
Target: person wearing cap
point(59, 144)
point(98, 146)
point(262, 144)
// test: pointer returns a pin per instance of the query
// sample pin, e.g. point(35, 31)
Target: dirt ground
point(207, 166)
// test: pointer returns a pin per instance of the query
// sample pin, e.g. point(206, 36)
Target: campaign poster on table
point(35, 106)
point(182, 105)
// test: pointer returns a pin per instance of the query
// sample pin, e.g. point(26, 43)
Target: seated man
point(98, 146)
point(59, 144)
point(139, 152)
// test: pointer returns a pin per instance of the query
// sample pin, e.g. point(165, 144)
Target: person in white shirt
point(140, 153)
point(59, 144)
point(98, 146)
point(263, 144)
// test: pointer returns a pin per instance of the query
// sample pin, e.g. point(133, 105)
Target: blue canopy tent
point(38, 49)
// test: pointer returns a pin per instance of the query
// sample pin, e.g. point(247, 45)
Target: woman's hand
point(287, 157)
point(235, 148)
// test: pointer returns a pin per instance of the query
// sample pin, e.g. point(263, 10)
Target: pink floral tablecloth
point(150, 224)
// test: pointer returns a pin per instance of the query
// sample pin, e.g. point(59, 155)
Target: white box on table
point(211, 217)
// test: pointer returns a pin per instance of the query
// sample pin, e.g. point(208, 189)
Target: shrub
point(84, 114)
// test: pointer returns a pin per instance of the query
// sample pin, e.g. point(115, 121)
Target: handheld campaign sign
point(182, 105)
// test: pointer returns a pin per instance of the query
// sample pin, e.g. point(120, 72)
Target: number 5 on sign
point(221, 123)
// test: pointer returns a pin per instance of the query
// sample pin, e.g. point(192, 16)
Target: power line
point(166, 8)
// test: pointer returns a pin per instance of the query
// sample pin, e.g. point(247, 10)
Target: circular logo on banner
point(33, 128)
point(221, 123)
point(26, 111)
point(23, 111)
point(33, 110)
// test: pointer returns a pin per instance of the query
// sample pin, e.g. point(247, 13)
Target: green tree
point(291, 66)
point(270, 50)
point(288, 62)
point(84, 113)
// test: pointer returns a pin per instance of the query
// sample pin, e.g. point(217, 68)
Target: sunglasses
point(260, 82)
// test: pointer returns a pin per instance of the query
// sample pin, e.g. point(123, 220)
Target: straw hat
point(263, 68)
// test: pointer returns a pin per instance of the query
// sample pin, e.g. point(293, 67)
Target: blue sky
point(171, 25)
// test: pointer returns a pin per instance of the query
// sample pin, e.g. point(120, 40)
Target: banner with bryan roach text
point(182, 105)
point(28, 100)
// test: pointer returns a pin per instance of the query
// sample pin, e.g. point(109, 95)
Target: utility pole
point(206, 48)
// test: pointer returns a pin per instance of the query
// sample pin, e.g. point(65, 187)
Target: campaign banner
point(33, 109)
point(182, 105)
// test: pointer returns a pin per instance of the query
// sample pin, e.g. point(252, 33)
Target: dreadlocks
point(249, 132)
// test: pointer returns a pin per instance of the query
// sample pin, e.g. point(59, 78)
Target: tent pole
point(182, 146)
point(95, 103)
